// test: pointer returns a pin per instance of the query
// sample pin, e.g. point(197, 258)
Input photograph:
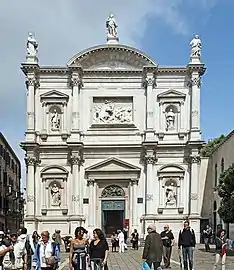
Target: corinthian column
point(76, 84)
point(30, 84)
point(134, 184)
point(195, 160)
point(195, 110)
point(150, 184)
point(75, 186)
point(30, 185)
point(92, 203)
point(150, 82)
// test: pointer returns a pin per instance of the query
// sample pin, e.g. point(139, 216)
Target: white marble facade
point(112, 131)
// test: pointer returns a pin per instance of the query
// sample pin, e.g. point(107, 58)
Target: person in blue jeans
point(187, 241)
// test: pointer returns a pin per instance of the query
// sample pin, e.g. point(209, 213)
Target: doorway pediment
point(114, 168)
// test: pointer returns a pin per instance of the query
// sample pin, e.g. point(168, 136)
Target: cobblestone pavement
point(131, 260)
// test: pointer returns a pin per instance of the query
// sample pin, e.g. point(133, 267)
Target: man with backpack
point(187, 241)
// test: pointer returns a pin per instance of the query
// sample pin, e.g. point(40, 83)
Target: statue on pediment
point(196, 47)
point(32, 45)
point(111, 26)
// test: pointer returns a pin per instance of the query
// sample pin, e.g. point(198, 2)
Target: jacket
point(187, 238)
point(36, 256)
point(153, 249)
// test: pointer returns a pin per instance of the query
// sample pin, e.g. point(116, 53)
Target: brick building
point(10, 195)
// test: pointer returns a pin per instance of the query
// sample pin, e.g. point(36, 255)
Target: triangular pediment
point(172, 94)
point(54, 94)
point(113, 165)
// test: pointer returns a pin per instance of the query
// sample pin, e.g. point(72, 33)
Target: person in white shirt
point(6, 252)
point(47, 253)
point(121, 241)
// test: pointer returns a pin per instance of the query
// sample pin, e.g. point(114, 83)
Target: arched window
point(216, 174)
point(222, 165)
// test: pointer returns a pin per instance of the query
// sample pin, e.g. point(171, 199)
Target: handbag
point(145, 266)
point(52, 261)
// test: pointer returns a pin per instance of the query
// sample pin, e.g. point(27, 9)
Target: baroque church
point(113, 140)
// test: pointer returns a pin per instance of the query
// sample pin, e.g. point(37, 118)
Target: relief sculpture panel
point(112, 110)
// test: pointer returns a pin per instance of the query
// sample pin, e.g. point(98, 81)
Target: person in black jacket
point(187, 241)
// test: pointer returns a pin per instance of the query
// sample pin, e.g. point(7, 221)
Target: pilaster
point(76, 84)
point(195, 73)
point(134, 183)
point(92, 203)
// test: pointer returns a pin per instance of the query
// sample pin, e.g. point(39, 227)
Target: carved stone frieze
point(149, 197)
point(113, 191)
point(75, 198)
point(194, 196)
point(30, 198)
point(112, 111)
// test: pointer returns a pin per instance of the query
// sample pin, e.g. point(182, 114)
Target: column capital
point(151, 159)
point(195, 81)
point(90, 182)
point(75, 160)
point(134, 182)
point(193, 159)
point(30, 161)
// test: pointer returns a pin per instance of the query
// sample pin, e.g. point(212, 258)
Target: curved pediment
point(111, 57)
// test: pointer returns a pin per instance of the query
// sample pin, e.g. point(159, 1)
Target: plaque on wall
point(139, 200)
point(85, 201)
point(112, 111)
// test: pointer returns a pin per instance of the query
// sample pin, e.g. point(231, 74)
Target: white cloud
point(63, 28)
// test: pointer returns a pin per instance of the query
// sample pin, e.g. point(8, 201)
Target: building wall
point(219, 161)
point(10, 175)
point(141, 155)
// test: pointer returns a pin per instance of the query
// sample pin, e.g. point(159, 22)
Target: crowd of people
point(90, 251)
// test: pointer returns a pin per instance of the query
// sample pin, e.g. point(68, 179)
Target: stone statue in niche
point(113, 191)
point(111, 26)
point(55, 194)
point(171, 194)
point(32, 45)
point(170, 120)
point(55, 120)
point(196, 47)
point(112, 113)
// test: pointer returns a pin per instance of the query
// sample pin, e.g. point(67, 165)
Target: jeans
point(187, 253)
point(157, 265)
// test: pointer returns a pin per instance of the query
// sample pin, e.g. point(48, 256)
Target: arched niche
point(55, 117)
point(54, 187)
point(170, 178)
point(113, 191)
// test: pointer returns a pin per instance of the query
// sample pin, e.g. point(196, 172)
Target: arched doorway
point(113, 209)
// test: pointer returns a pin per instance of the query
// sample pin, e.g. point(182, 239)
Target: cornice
point(30, 68)
point(200, 68)
point(172, 70)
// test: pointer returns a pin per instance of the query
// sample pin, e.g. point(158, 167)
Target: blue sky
point(161, 28)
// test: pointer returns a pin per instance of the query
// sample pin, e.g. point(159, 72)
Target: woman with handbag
point(98, 251)
point(47, 253)
point(78, 257)
point(220, 249)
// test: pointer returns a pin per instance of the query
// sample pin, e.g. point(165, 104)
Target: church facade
point(112, 140)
